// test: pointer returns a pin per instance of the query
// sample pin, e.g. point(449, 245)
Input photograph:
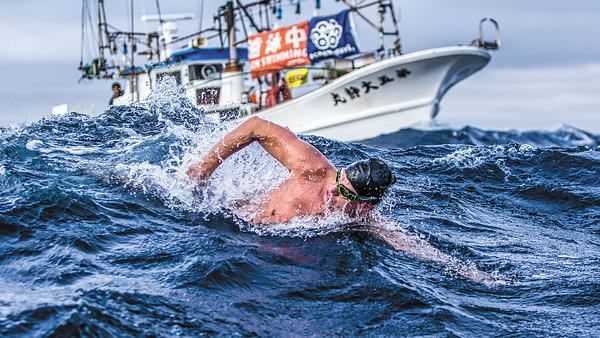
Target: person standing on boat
point(279, 90)
point(117, 92)
point(316, 187)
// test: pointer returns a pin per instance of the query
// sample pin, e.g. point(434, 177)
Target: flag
point(331, 37)
point(278, 49)
point(297, 77)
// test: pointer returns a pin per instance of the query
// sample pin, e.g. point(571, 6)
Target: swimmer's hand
point(198, 173)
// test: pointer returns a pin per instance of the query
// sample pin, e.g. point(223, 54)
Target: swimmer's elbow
point(256, 119)
point(255, 126)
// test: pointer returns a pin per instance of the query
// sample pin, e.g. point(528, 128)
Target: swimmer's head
point(370, 179)
point(359, 187)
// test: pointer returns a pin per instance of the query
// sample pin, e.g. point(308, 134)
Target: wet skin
point(309, 190)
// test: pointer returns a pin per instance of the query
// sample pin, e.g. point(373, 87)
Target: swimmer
point(315, 186)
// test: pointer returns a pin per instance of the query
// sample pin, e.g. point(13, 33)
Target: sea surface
point(102, 234)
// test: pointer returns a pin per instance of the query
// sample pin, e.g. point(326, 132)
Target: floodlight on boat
point(167, 17)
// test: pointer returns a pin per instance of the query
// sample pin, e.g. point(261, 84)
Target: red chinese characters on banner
point(278, 49)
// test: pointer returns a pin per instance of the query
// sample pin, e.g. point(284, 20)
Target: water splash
point(102, 231)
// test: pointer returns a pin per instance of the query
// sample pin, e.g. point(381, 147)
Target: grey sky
point(545, 74)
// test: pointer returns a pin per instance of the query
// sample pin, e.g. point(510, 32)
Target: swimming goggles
point(348, 194)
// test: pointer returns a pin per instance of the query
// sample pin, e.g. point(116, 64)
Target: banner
point(331, 37)
point(297, 77)
point(281, 48)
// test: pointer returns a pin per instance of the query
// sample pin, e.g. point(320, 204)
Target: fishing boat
point(310, 76)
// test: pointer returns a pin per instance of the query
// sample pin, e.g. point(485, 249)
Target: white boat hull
point(418, 83)
point(405, 99)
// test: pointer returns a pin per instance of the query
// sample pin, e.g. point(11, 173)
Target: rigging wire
point(132, 36)
point(160, 20)
point(144, 12)
point(82, 33)
point(91, 41)
point(243, 23)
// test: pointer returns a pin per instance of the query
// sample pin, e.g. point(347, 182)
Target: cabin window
point(208, 95)
point(176, 75)
point(205, 71)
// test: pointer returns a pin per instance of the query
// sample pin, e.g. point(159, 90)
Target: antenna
point(158, 11)
point(201, 15)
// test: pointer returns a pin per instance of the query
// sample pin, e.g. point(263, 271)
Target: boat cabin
point(198, 70)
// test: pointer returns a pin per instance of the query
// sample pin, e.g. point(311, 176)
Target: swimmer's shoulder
point(318, 173)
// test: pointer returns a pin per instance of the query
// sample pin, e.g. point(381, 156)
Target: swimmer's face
point(337, 202)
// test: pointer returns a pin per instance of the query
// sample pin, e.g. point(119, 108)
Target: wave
point(565, 136)
point(103, 233)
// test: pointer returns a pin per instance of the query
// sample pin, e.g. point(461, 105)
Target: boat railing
point(481, 42)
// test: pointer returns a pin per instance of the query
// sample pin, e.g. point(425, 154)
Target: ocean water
point(102, 234)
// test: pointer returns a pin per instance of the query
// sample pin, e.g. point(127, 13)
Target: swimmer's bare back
point(310, 172)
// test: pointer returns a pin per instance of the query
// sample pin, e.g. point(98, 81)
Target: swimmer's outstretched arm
point(420, 248)
point(296, 155)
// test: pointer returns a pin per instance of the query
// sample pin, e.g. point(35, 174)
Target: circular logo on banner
point(326, 34)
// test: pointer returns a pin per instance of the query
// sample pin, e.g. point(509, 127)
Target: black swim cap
point(116, 85)
point(370, 177)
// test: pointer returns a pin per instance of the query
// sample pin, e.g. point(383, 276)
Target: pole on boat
point(233, 57)
point(133, 83)
point(100, 35)
point(381, 11)
point(232, 77)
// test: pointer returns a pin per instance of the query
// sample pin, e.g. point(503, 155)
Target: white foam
point(34, 145)
point(250, 173)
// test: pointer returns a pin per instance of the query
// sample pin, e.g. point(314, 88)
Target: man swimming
point(316, 187)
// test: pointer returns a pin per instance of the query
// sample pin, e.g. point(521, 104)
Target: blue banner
point(330, 37)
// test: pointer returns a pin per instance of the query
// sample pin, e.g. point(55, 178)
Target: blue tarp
point(192, 54)
point(129, 71)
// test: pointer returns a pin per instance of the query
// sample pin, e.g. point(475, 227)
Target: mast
point(229, 18)
point(100, 30)
point(232, 78)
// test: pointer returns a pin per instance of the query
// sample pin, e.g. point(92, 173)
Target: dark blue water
point(101, 234)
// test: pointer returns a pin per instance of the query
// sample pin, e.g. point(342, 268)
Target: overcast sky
point(546, 74)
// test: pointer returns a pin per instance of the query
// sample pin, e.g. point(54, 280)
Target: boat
point(342, 93)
